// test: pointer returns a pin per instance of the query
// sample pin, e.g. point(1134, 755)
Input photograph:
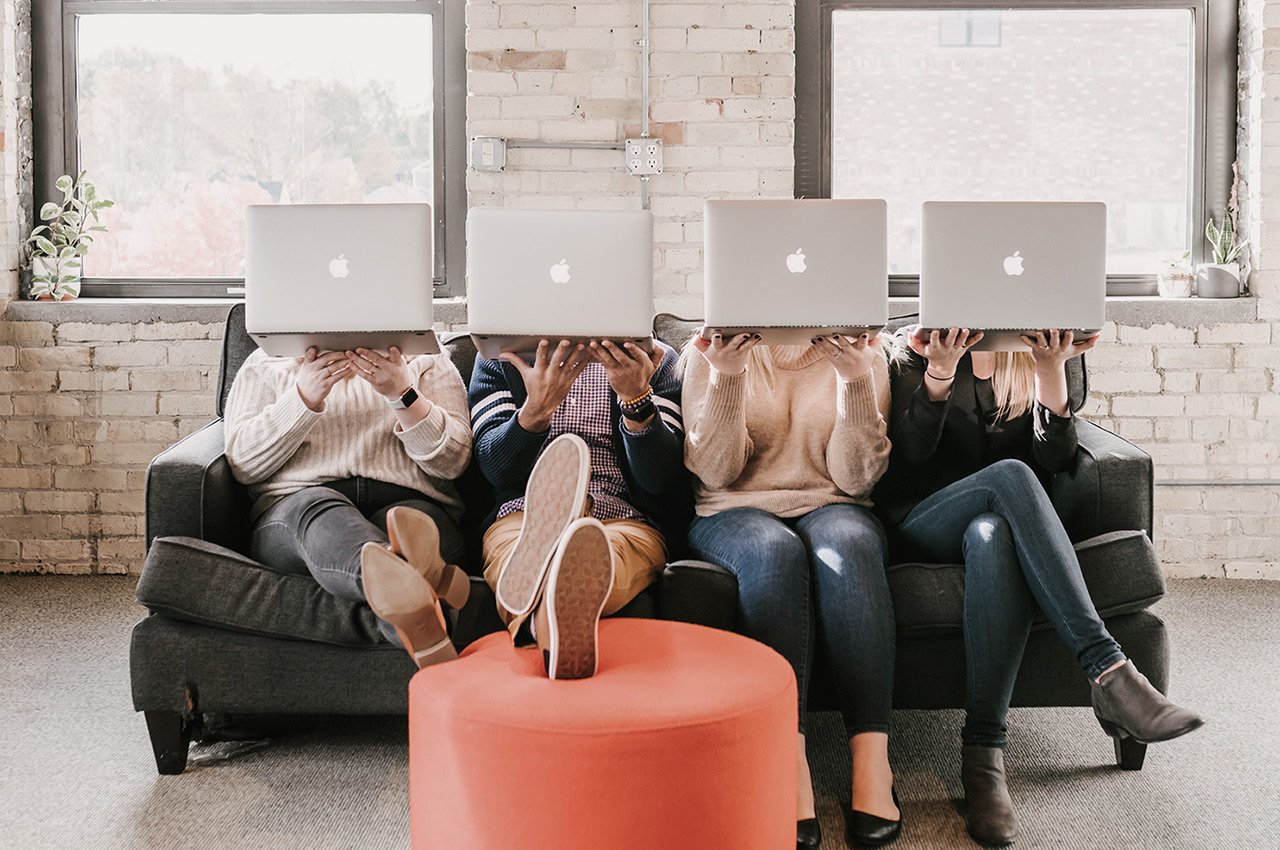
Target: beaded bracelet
point(638, 402)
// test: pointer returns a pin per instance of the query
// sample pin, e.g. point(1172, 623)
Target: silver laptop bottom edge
point(289, 344)
point(526, 345)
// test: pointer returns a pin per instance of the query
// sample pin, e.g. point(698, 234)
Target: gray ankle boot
point(991, 820)
point(1128, 706)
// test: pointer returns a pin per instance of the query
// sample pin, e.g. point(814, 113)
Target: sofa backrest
point(671, 329)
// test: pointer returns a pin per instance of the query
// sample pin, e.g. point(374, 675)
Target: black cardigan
point(936, 443)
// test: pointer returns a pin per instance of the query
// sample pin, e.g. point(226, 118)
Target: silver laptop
point(579, 275)
point(791, 269)
point(339, 277)
point(1006, 268)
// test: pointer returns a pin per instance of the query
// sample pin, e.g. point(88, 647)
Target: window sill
point(448, 311)
point(452, 312)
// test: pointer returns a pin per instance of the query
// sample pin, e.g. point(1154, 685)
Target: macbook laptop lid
point(339, 276)
point(790, 269)
point(558, 274)
point(1006, 267)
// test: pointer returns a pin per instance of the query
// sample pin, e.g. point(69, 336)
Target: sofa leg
point(170, 740)
point(1130, 754)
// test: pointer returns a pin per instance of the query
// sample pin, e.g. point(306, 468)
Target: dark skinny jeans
point(1016, 556)
point(319, 531)
point(835, 556)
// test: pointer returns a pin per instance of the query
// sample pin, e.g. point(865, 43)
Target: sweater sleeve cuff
point(290, 414)
point(424, 436)
point(856, 401)
point(726, 397)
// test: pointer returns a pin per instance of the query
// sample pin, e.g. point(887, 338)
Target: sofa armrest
point(700, 593)
point(192, 493)
point(1109, 487)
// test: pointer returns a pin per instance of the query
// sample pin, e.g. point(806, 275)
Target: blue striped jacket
point(658, 485)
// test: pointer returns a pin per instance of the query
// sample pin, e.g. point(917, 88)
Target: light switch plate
point(487, 153)
point(644, 156)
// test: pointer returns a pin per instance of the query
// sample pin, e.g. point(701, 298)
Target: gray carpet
point(76, 769)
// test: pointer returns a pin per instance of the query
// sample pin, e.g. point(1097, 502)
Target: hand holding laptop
point(1054, 347)
point(547, 380)
point(387, 372)
point(628, 366)
point(851, 357)
point(320, 373)
point(726, 354)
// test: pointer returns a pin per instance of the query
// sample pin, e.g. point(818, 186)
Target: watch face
point(409, 397)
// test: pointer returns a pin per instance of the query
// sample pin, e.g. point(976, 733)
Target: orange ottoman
point(685, 738)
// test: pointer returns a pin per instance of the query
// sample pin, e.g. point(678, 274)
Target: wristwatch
point(406, 399)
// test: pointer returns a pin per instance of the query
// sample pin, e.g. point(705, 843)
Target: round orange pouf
point(685, 738)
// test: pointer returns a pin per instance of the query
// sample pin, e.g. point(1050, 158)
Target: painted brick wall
point(83, 407)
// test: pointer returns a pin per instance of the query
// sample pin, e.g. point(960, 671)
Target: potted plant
point(1176, 278)
point(1221, 278)
point(59, 245)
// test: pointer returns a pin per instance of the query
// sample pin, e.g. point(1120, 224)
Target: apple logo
point(1013, 265)
point(560, 272)
point(338, 266)
point(795, 262)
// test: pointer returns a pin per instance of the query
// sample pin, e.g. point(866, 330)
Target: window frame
point(53, 83)
point(1213, 104)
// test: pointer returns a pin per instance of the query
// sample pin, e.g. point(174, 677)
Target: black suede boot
point(1128, 706)
point(992, 819)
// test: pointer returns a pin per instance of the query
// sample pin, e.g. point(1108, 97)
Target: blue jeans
point(835, 556)
point(319, 531)
point(1016, 556)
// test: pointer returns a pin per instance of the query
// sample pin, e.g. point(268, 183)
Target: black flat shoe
point(864, 830)
point(808, 833)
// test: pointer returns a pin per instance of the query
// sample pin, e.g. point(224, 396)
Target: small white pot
point(43, 266)
point(1175, 284)
point(1218, 280)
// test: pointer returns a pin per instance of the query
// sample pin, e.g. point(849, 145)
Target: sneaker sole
point(580, 581)
point(415, 537)
point(401, 596)
point(556, 496)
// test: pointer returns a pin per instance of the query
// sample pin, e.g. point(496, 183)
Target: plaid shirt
point(585, 412)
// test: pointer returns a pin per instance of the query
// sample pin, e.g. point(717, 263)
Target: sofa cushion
point(1120, 569)
point(190, 579)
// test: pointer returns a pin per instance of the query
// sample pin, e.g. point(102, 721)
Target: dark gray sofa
point(225, 635)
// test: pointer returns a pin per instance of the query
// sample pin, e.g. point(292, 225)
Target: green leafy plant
point(65, 237)
point(1222, 239)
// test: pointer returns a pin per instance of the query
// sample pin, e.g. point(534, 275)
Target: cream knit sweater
point(807, 441)
point(277, 445)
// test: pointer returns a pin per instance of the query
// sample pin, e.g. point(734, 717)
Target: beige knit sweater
point(277, 445)
point(807, 441)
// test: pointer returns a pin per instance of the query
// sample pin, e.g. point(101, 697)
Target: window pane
point(184, 119)
point(1018, 105)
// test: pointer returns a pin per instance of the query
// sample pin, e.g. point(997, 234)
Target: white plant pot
point(1218, 280)
point(1175, 284)
point(43, 266)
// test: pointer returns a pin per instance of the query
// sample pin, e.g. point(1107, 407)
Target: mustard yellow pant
point(639, 554)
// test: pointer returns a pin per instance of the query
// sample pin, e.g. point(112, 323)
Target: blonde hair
point(1014, 383)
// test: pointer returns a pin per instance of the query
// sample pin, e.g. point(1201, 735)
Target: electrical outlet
point(487, 153)
point(643, 156)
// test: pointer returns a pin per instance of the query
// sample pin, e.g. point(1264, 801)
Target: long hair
point(1014, 383)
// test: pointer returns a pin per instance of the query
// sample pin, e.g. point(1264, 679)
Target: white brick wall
point(84, 406)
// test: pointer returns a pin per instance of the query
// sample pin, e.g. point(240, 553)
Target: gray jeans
point(319, 532)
